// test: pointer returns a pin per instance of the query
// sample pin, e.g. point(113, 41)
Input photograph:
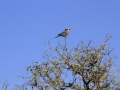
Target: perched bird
point(64, 33)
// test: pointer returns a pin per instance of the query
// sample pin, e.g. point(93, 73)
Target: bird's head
point(67, 29)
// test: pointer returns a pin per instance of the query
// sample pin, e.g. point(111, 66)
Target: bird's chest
point(67, 32)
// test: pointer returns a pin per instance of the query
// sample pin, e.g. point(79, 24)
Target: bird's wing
point(62, 33)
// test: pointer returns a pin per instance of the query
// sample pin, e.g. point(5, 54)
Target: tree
point(85, 67)
point(5, 84)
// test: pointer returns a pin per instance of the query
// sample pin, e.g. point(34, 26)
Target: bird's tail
point(57, 36)
point(54, 37)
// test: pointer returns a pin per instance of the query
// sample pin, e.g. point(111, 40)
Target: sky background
point(25, 25)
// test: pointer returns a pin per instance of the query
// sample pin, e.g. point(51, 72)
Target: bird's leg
point(65, 48)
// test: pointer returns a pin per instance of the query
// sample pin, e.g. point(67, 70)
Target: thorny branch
point(88, 67)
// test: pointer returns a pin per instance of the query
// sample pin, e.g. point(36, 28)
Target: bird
point(63, 33)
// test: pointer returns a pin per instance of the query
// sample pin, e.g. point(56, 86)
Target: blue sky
point(26, 24)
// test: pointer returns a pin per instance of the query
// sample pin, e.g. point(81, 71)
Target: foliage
point(85, 67)
point(5, 84)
